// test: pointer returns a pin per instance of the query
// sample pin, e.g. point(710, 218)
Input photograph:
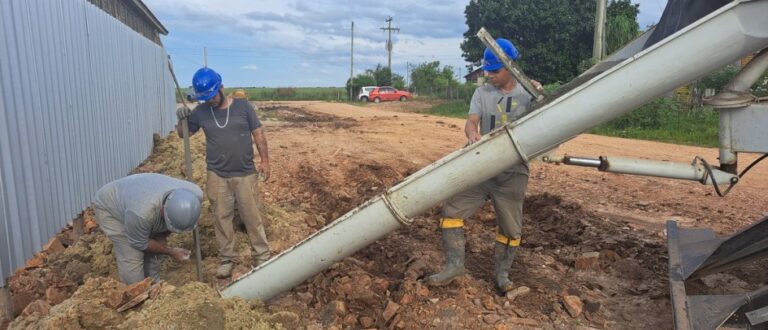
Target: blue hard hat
point(206, 83)
point(491, 62)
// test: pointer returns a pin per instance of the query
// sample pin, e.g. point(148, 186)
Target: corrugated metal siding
point(82, 95)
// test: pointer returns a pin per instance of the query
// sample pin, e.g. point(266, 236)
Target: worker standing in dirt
point(492, 106)
point(230, 126)
point(138, 212)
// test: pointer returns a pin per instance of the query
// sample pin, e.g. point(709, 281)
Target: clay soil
point(327, 158)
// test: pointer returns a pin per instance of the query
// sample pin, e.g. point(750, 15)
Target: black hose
point(714, 182)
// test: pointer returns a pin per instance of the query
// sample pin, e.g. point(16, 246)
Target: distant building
point(477, 76)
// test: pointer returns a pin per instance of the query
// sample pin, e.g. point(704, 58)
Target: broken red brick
point(90, 225)
point(588, 260)
point(337, 307)
point(573, 305)
point(36, 261)
point(422, 290)
point(20, 301)
point(37, 306)
point(55, 296)
point(116, 299)
point(366, 322)
point(406, 299)
point(53, 246)
point(521, 321)
point(350, 320)
point(135, 289)
point(390, 310)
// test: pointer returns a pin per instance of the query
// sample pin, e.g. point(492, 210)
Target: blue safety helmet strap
point(206, 83)
point(491, 62)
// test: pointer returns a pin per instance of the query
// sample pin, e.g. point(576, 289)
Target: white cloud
point(267, 34)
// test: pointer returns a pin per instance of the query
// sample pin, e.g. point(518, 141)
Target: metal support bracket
point(395, 211)
point(515, 143)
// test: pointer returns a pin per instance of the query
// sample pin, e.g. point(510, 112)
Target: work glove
point(182, 113)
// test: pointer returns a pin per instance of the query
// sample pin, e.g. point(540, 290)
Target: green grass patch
point(289, 93)
point(294, 93)
point(665, 120)
point(455, 109)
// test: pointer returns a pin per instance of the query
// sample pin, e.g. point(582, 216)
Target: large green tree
point(378, 76)
point(429, 74)
point(364, 79)
point(553, 36)
point(621, 24)
point(384, 77)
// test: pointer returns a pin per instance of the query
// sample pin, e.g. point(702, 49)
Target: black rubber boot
point(453, 246)
point(504, 256)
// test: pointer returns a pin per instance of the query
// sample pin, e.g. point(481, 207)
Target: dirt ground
point(327, 158)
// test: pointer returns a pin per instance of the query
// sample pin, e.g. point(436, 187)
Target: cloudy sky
point(307, 43)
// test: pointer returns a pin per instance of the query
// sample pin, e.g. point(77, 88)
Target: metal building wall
point(81, 96)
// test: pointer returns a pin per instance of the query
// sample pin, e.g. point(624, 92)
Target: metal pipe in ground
point(188, 172)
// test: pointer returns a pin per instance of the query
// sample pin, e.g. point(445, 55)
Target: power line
point(389, 30)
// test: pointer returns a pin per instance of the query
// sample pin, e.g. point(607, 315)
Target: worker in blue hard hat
point(231, 126)
point(138, 212)
point(492, 106)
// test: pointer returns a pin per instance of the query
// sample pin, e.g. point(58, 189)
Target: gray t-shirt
point(496, 109)
point(135, 201)
point(228, 143)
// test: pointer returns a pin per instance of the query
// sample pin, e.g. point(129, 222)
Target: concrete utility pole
point(598, 51)
point(407, 71)
point(389, 30)
point(351, 61)
point(205, 56)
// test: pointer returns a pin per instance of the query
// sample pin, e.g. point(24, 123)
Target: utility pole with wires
point(389, 30)
point(352, 61)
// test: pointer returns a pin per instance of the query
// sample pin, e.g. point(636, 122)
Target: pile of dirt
point(56, 272)
point(192, 306)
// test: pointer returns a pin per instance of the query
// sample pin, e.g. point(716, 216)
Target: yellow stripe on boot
point(449, 223)
point(506, 240)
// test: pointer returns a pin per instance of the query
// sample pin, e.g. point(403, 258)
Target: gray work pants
point(507, 190)
point(132, 265)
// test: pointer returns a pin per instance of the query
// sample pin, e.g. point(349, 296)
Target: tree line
point(554, 38)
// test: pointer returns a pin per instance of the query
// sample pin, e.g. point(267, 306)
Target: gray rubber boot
point(504, 256)
point(453, 246)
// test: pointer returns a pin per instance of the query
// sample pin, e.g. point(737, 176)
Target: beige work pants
point(223, 192)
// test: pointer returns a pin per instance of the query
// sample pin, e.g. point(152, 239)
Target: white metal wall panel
point(82, 95)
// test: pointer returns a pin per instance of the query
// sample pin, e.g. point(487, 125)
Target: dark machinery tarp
point(679, 14)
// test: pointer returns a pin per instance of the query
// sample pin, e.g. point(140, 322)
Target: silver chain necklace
point(217, 122)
